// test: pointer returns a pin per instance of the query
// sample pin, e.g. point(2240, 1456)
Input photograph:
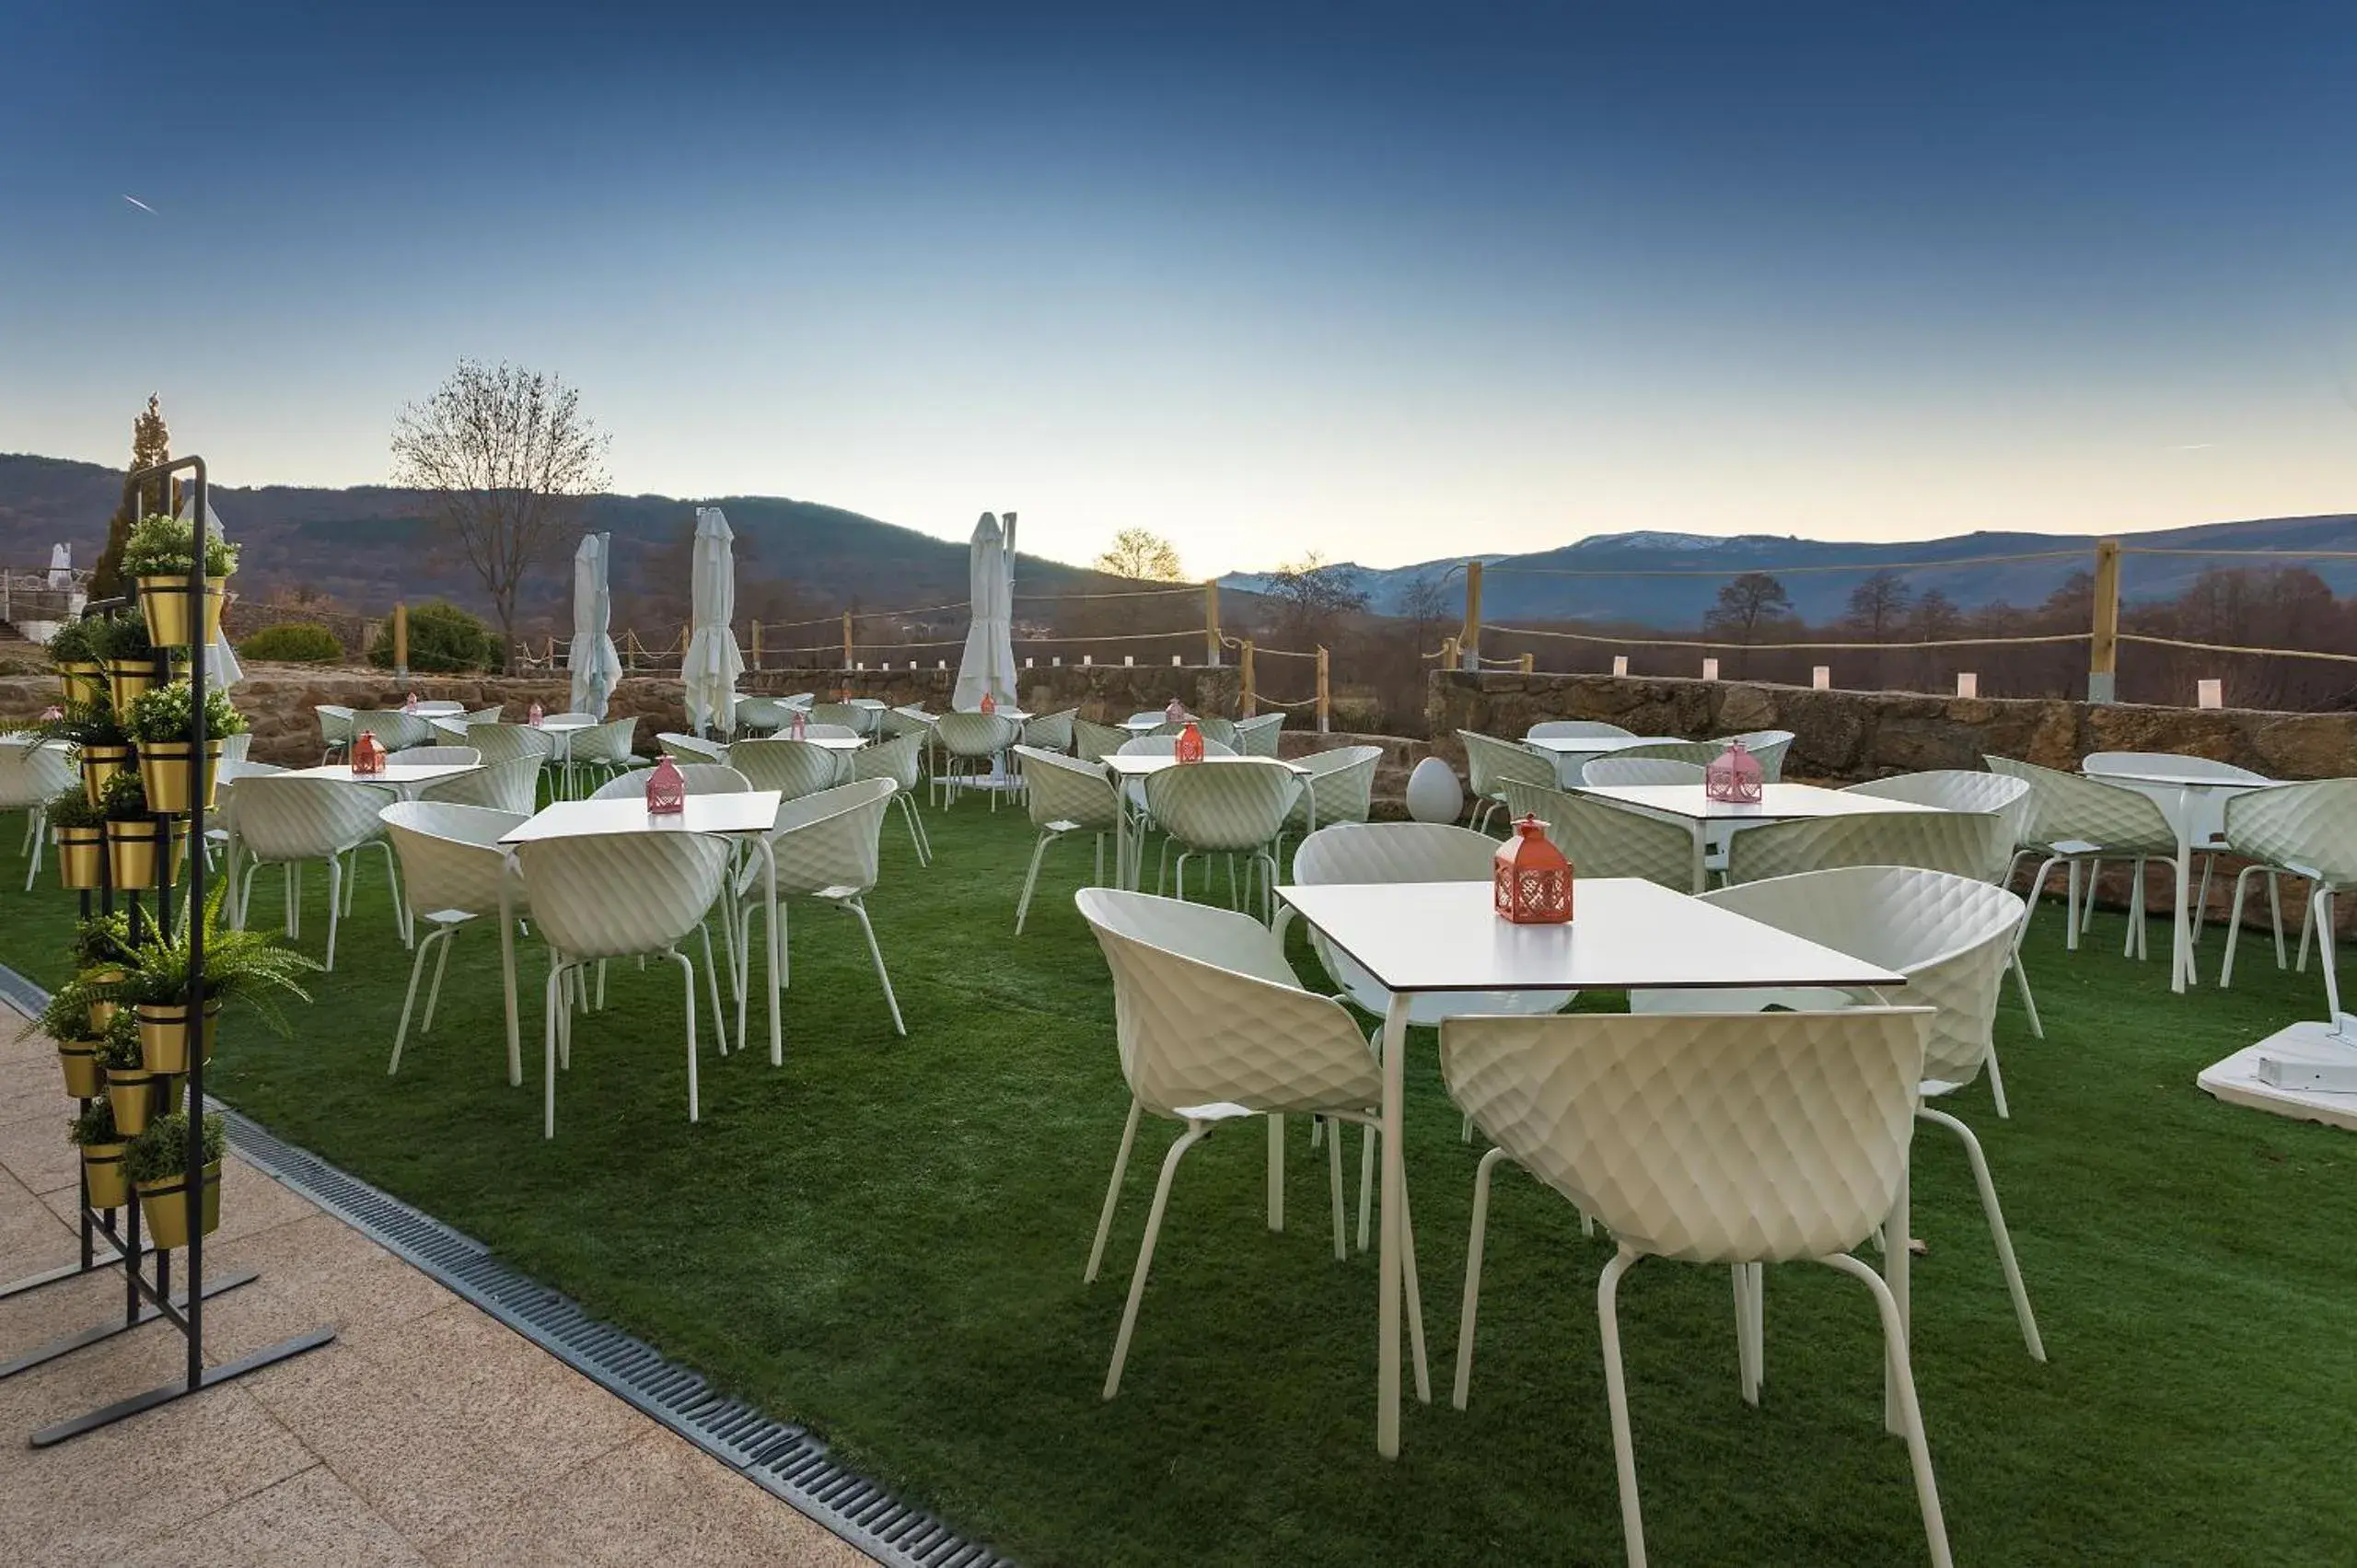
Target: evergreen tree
point(150, 444)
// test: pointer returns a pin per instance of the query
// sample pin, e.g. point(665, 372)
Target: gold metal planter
point(103, 1174)
point(100, 763)
point(131, 851)
point(130, 679)
point(173, 775)
point(77, 683)
point(164, 1206)
point(81, 857)
point(136, 1095)
point(164, 600)
point(85, 1079)
point(163, 1034)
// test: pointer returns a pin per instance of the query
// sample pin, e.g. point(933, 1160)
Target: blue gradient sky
point(1382, 280)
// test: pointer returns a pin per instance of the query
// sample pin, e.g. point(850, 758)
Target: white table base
point(2235, 1080)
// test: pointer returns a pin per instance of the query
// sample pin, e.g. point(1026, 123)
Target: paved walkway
point(426, 1434)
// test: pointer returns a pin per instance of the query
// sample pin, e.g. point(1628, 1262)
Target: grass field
point(884, 1241)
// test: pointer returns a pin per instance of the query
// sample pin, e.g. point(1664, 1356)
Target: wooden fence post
point(401, 641)
point(1529, 664)
point(1469, 640)
point(1325, 697)
point(1250, 702)
point(1211, 621)
point(846, 639)
point(1448, 652)
point(2103, 647)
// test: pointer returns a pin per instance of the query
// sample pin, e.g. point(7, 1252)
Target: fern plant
point(239, 965)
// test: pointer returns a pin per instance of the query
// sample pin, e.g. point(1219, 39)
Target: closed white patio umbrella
point(221, 665)
point(595, 664)
point(988, 664)
point(710, 670)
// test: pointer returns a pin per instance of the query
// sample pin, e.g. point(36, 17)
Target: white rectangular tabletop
point(2160, 774)
point(746, 812)
point(1599, 745)
point(1778, 801)
point(877, 703)
point(393, 773)
point(1136, 766)
point(1625, 935)
point(565, 727)
point(440, 710)
point(833, 742)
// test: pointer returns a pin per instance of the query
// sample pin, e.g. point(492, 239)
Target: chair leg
point(2275, 912)
point(1112, 1195)
point(712, 988)
point(1276, 1171)
point(1334, 1186)
point(1474, 1245)
point(2202, 898)
point(859, 908)
point(1415, 1296)
point(1746, 1363)
point(2135, 909)
point(400, 1031)
point(1980, 1179)
point(2321, 902)
point(1195, 1134)
point(1919, 1452)
point(1031, 879)
point(2029, 1003)
point(909, 814)
point(449, 935)
point(1997, 1085)
point(335, 904)
point(1615, 1392)
point(1367, 1135)
point(2234, 925)
point(2087, 906)
point(688, 975)
point(551, 1005)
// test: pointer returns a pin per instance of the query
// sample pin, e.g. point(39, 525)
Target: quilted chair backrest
point(698, 778)
point(1213, 728)
point(1602, 840)
point(838, 713)
point(977, 734)
point(690, 747)
point(609, 742)
point(1342, 786)
point(2309, 825)
point(1768, 746)
point(1622, 768)
point(441, 757)
point(1489, 762)
point(507, 742)
point(31, 775)
point(1959, 789)
point(1394, 852)
point(335, 723)
point(908, 720)
point(2066, 807)
point(512, 785)
point(394, 729)
point(1711, 1138)
point(608, 895)
point(828, 840)
point(1236, 803)
point(1257, 736)
point(1092, 742)
point(895, 759)
point(1051, 732)
point(1700, 753)
point(1206, 1012)
point(1966, 843)
point(793, 768)
point(1058, 789)
point(451, 857)
point(1951, 937)
point(299, 819)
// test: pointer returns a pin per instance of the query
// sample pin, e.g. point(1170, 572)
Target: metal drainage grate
point(784, 1460)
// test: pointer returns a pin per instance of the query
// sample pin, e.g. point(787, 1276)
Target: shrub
point(71, 644)
point(165, 546)
point(294, 641)
point(442, 638)
point(158, 1152)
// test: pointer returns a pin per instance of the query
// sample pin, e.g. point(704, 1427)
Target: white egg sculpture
point(1433, 794)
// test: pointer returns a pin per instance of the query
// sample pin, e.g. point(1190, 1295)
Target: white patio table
point(1572, 753)
point(559, 733)
point(1127, 769)
point(1777, 803)
point(439, 709)
point(1626, 934)
point(404, 779)
point(2194, 806)
point(747, 817)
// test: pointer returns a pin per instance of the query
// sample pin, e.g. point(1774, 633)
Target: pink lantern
point(409, 703)
point(1734, 777)
point(801, 728)
point(1189, 745)
point(533, 716)
point(367, 755)
point(1176, 712)
point(51, 714)
point(666, 790)
point(1532, 881)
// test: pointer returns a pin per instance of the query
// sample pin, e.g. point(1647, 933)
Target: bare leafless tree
point(508, 456)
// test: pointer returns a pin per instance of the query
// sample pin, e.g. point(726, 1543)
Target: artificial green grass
point(884, 1241)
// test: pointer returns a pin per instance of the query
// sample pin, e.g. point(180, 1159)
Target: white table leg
point(2181, 940)
point(508, 979)
point(1896, 1251)
point(1390, 1285)
point(768, 876)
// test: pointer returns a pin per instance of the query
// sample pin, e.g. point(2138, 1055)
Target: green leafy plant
point(66, 1013)
point(123, 637)
point(442, 637)
point(95, 1125)
point(120, 1044)
point(71, 644)
point(161, 1151)
point(72, 809)
point(124, 798)
point(165, 546)
point(293, 641)
point(101, 941)
point(167, 712)
point(247, 965)
point(87, 723)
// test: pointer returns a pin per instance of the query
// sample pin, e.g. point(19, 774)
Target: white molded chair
point(827, 846)
point(759, 715)
point(288, 821)
point(850, 717)
point(1065, 796)
point(690, 747)
point(1234, 807)
point(2080, 822)
point(2306, 829)
point(30, 777)
point(1950, 937)
point(441, 757)
point(896, 759)
point(1604, 840)
point(1622, 768)
point(496, 743)
point(1212, 1027)
point(1167, 745)
point(512, 785)
point(1965, 843)
point(978, 741)
point(1577, 729)
point(1051, 732)
point(221, 825)
point(1764, 1139)
point(1257, 736)
point(238, 748)
point(698, 778)
point(793, 768)
point(1489, 762)
point(336, 729)
point(1093, 742)
point(599, 896)
point(1339, 788)
point(600, 748)
point(1766, 745)
point(2205, 809)
point(453, 869)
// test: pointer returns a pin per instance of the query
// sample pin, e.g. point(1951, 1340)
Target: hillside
point(1509, 595)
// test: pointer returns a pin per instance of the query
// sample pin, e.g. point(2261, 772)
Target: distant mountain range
point(1515, 587)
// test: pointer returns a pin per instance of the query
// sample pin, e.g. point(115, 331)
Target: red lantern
point(1189, 745)
point(1734, 777)
point(666, 790)
point(367, 755)
point(1176, 712)
point(533, 716)
point(1533, 881)
point(990, 703)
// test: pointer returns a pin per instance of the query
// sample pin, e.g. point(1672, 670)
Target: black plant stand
point(146, 1298)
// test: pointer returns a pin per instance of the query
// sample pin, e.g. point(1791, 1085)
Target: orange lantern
point(990, 703)
point(367, 755)
point(1189, 745)
point(1734, 777)
point(667, 789)
point(1533, 881)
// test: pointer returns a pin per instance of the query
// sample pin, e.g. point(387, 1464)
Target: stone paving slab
point(428, 1433)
